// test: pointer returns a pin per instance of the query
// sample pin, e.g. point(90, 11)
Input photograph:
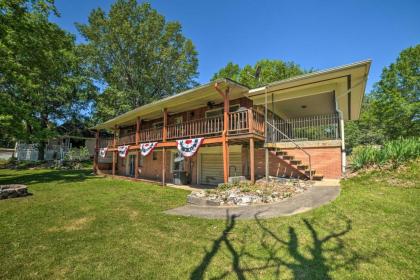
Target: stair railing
point(291, 140)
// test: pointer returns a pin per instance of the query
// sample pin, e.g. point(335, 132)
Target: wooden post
point(136, 165)
point(250, 121)
point(165, 125)
point(114, 145)
point(95, 155)
point(252, 159)
point(163, 166)
point(225, 148)
point(164, 136)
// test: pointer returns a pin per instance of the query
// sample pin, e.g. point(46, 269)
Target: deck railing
point(106, 142)
point(321, 127)
point(151, 134)
point(194, 128)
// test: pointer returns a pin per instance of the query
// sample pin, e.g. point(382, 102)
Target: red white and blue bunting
point(102, 152)
point(147, 148)
point(189, 147)
point(122, 151)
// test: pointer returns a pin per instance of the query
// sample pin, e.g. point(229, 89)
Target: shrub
point(75, 154)
point(395, 153)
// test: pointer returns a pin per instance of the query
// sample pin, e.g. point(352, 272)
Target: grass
point(77, 226)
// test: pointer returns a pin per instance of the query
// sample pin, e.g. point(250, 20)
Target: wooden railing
point(258, 121)
point(151, 134)
point(194, 128)
point(105, 142)
point(127, 139)
point(241, 122)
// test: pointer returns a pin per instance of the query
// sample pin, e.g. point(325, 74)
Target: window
point(219, 111)
point(178, 120)
point(158, 125)
point(154, 155)
point(177, 162)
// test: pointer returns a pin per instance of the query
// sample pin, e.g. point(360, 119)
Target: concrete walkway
point(316, 196)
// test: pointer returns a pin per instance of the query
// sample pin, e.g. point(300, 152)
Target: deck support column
point(136, 165)
point(114, 153)
point(164, 136)
point(95, 155)
point(163, 166)
point(225, 96)
point(252, 159)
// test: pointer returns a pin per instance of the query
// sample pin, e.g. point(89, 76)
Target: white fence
point(29, 152)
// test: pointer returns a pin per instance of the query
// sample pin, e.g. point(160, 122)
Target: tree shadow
point(64, 176)
point(312, 260)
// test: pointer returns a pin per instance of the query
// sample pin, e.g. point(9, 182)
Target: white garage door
point(212, 167)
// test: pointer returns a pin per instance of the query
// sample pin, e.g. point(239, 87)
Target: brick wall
point(325, 160)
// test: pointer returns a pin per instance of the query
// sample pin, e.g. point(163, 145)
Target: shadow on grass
point(315, 265)
point(48, 176)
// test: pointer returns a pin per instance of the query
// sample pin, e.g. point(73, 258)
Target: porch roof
point(188, 100)
point(347, 83)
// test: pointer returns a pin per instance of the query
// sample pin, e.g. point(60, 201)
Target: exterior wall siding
point(325, 160)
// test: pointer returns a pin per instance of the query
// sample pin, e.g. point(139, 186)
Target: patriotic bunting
point(147, 148)
point(102, 152)
point(189, 147)
point(122, 151)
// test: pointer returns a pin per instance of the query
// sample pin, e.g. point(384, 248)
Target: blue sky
point(314, 34)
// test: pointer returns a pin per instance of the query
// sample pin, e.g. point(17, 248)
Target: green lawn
point(77, 226)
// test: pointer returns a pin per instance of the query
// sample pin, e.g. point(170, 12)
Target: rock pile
point(11, 191)
point(260, 192)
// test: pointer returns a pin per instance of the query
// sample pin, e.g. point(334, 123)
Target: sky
point(314, 34)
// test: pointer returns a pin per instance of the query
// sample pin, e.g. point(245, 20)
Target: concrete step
point(287, 157)
point(318, 177)
point(302, 167)
point(307, 172)
point(295, 161)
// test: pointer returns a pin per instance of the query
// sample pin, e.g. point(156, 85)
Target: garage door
point(212, 167)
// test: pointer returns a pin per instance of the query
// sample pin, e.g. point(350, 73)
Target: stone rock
point(12, 191)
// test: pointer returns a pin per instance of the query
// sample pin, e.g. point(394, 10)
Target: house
point(293, 127)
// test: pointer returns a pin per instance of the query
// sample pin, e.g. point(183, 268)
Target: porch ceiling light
point(303, 106)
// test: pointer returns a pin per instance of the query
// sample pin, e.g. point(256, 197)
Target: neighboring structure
point(293, 127)
point(55, 149)
point(6, 153)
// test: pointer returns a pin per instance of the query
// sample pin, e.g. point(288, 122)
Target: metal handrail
point(291, 140)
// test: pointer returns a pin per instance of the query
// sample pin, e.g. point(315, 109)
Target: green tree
point(271, 70)
point(137, 56)
point(392, 109)
point(42, 81)
point(396, 97)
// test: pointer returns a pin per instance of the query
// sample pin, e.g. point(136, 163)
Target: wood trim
point(165, 125)
point(114, 144)
point(136, 165)
point(95, 154)
point(163, 166)
point(252, 159)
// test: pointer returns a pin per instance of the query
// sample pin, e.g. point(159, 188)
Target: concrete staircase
point(296, 167)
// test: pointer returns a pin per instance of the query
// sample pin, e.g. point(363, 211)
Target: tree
point(392, 109)
point(137, 56)
point(271, 70)
point(396, 97)
point(42, 81)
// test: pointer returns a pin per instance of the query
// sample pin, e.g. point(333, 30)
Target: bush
point(394, 153)
point(75, 154)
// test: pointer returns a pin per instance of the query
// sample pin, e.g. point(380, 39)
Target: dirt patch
point(73, 225)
